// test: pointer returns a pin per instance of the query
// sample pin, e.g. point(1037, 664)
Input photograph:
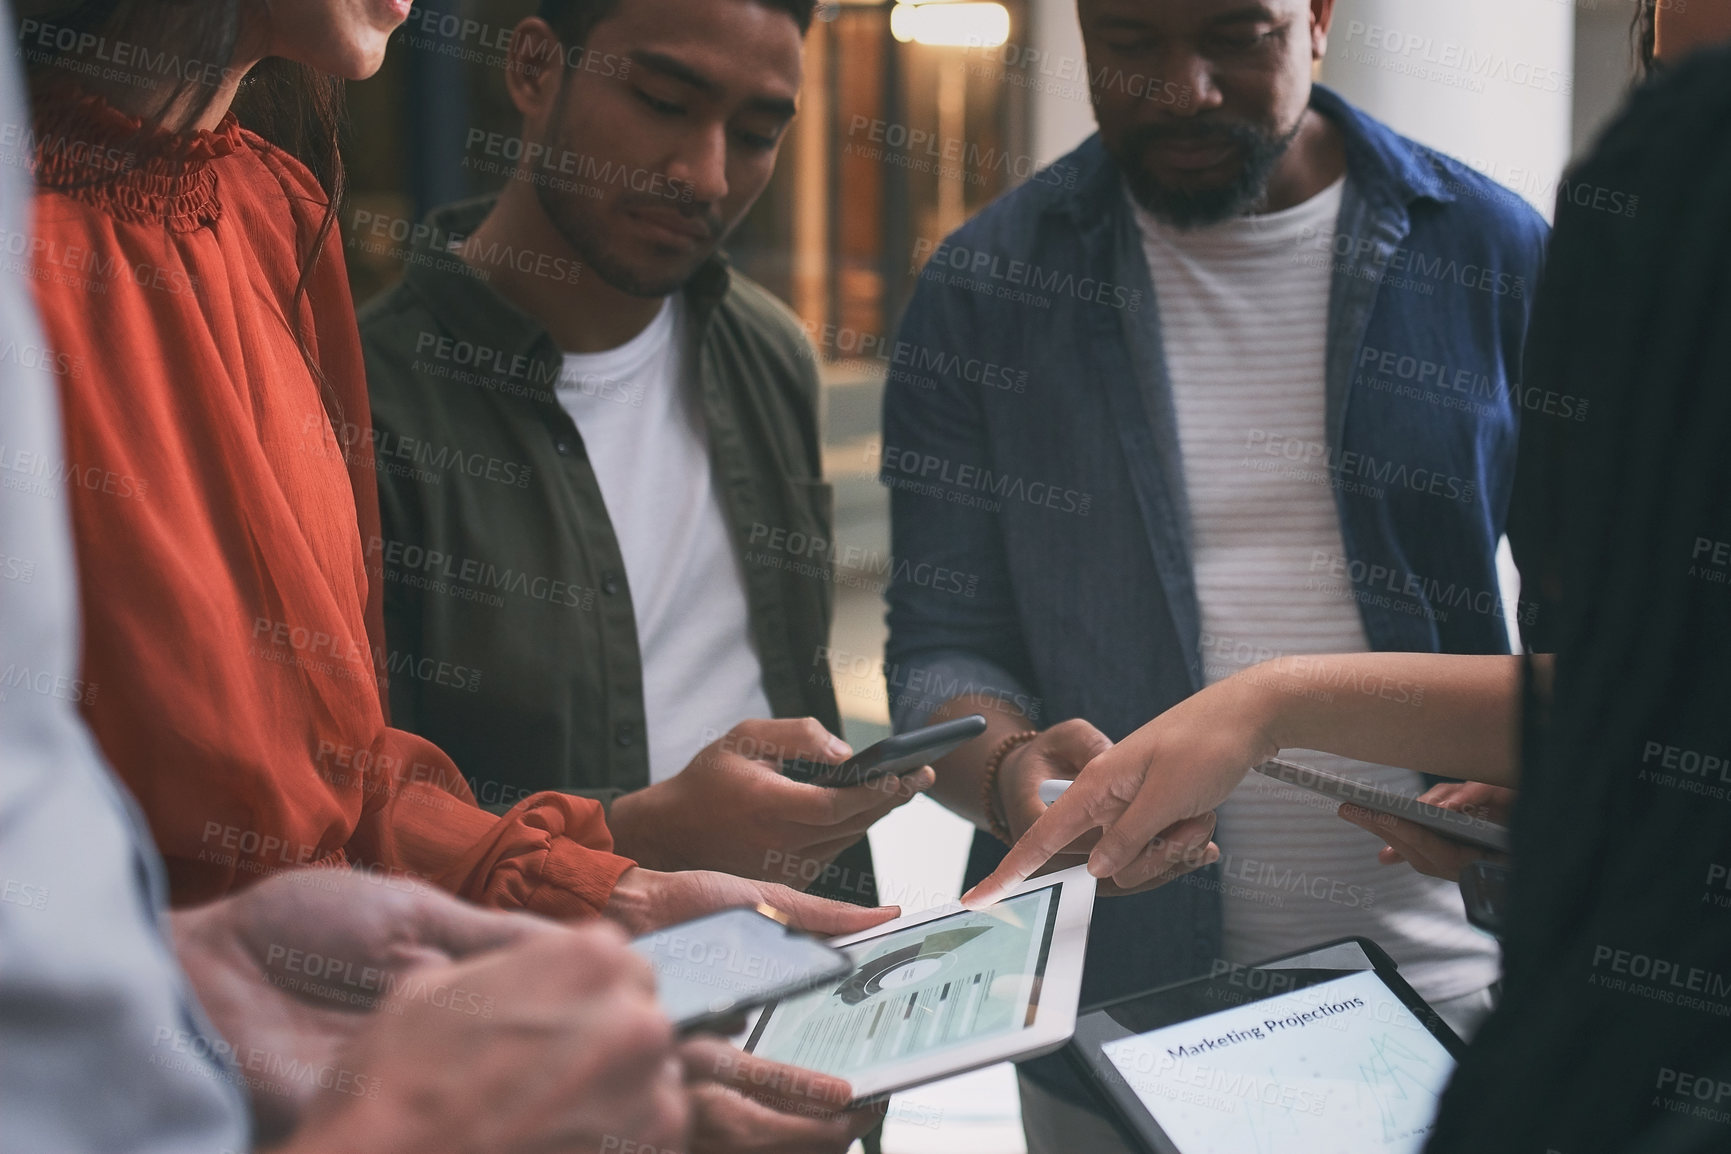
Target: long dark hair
point(1618, 956)
point(1646, 33)
point(290, 105)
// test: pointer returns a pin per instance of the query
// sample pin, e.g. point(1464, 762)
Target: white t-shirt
point(642, 425)
point(1245, 327)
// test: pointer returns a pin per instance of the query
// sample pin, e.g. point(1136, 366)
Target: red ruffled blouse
point(232, 628)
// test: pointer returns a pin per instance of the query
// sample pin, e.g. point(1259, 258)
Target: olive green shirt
point(511, 636)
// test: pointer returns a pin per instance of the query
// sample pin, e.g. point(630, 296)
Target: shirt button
point(563, 446)
point(610, 583)
point(623, 733)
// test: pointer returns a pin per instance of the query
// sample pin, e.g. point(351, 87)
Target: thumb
point(1076, 743)
point(822, 916)
point(776, 740)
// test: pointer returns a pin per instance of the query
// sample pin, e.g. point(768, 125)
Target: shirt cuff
point(576, 882)
point(918, 687)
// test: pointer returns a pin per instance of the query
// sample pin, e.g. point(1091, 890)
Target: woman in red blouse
point(232, 624)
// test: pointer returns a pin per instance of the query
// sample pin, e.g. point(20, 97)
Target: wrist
point(1267, 696)
point(630, 902)
point(633, 822)
point(992, 785)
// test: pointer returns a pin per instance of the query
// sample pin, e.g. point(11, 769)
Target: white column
point(1489, 82)
point(1061, 114)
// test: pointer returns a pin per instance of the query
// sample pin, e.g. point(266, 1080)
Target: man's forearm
point(961, 773)
point(1443, 714)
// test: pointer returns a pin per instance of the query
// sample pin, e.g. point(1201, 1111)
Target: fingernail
point(839, 748)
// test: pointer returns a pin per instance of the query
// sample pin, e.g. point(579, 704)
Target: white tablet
point(943, 992)
point(1327, 1051)
point(1451, 823)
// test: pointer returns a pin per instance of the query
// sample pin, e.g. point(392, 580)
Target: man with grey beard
point(1272, 363)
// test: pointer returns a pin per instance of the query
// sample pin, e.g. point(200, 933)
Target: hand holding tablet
point(1454, 824)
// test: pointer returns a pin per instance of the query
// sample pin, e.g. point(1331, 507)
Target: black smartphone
point(1485, 890)
point(714, 968)
point(903, 753)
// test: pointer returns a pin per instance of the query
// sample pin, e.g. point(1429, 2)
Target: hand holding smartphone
point(901, 754)
point(714, 968)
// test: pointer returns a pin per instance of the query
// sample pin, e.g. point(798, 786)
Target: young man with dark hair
point(607, 425)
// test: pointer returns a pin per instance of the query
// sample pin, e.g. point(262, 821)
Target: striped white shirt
point(1245, 326)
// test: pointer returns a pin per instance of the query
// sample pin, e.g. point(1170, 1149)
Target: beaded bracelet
point(989, 785)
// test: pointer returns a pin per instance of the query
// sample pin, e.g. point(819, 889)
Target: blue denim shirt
point(1032, 452)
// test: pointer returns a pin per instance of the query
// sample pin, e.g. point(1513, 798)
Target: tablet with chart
point(963, 989)
point(1325, 1052)
point(1338, 1066)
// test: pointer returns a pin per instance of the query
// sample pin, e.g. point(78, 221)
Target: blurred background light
point(961, 24)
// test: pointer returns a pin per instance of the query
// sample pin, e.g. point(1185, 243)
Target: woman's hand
point(1153, 794)
point(1432, 853)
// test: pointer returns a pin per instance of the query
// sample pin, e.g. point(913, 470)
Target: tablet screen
point(919, 991)
point(1339, 1066)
